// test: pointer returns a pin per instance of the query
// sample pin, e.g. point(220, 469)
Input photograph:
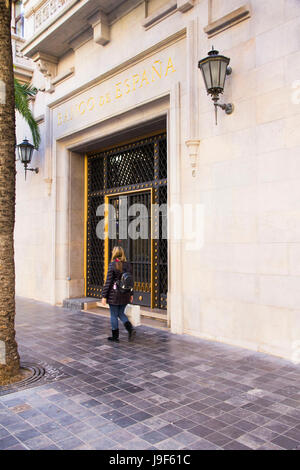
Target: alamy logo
point(178, 222)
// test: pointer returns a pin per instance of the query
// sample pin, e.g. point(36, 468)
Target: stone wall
point(245, 287)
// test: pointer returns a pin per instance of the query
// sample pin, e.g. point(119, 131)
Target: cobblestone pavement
point(162, 391)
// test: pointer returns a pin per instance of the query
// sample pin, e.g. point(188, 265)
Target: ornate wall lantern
point(214, 69)
point(25, 150)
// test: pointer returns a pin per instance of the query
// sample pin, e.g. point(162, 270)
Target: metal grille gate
point(135, 173)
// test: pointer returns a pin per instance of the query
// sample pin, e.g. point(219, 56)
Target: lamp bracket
point(228, 108)
point(36, 170)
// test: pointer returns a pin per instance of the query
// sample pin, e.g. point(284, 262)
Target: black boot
point(130, 329)
point(115, 336)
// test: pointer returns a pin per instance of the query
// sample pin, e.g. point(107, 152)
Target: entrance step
point(144, 311)
point(146, 320)
point(104, 311)
point(149, 317)
point(154, 313)
point(154, 323)
point(79, 303)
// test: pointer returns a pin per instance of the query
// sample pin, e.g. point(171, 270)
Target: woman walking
point(115, 296)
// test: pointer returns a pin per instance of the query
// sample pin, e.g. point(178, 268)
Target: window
point(19, 18)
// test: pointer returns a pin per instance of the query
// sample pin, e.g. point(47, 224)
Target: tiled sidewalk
point(160, 392)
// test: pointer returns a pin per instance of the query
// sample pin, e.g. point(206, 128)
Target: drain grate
point(41, 373)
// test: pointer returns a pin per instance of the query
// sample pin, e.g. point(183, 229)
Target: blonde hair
point(119, 253)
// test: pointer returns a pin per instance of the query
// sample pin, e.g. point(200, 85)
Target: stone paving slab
point(162, 391)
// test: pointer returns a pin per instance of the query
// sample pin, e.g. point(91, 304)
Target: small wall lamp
point(25, 150)
point(214, 69)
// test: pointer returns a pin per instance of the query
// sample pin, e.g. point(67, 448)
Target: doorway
point(122, 177)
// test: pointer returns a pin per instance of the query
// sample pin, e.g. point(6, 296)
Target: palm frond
point(22, 94)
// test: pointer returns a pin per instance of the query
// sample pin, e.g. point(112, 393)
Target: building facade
point(124, 116)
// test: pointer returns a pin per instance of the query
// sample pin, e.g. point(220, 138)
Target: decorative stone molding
point(166, 10)
point(184, 5)
point(227, 21)
point(23, 67)
point(160, 14)
point(48, 157)
point(124, 8)
point(192, 142)
point(51, 20)
point(48, 182)
point(101, 28)
point(63, 76)
point(81, 38)
point(47, 10)
point(193, 147)
point(47, 65)
point(40, 119)
point(17, 43)
point(22, 73)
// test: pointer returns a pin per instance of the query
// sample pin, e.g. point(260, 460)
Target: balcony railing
point(56, 26)
point(47, 10)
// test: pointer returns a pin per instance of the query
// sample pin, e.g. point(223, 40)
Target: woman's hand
point(131, 299)
point(103, 301)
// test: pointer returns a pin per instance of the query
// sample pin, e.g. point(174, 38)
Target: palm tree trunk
point(9, 357)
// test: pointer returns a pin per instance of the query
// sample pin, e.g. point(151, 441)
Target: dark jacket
point(114, 296)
